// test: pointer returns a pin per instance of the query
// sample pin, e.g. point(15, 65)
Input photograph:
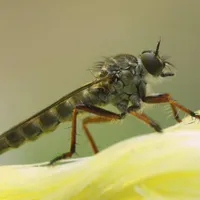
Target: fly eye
point(152, 63)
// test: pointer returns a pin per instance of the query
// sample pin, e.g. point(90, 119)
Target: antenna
point(157, 47)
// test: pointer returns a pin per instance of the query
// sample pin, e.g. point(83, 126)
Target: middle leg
point(102, 113)
point(90, 120)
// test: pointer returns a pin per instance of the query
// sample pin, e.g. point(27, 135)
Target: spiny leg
point(89, 120)
point(73, 140)
point(145, 118)
point(90, 109)
point(166, 98)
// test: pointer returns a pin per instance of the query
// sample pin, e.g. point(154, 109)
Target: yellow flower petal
point(151, 167)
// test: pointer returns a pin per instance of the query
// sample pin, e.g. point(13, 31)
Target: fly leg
point(89, 120)
point(73, 140)
point(102, 116)
point(145, 118)
point(99, 119)
point(166, 98)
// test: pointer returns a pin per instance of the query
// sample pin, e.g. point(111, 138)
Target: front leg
point(140, 115)
point(166, 98)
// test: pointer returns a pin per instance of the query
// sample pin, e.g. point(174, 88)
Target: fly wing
point(31, 131)
point(64, 98)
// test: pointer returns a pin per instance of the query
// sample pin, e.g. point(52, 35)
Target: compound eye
point(152, 63)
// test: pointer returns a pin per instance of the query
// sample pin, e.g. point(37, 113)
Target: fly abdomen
point(18, 135)
point(31, 130)
point(64, 110)
point(4, 146)
point(11, 139)
point(48, 121)
point(15, 138)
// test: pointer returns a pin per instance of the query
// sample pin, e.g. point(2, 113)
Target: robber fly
point(120, 81)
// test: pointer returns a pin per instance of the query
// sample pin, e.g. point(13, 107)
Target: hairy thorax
point(128, 84)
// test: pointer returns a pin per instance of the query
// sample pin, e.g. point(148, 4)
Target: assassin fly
point(120, 81)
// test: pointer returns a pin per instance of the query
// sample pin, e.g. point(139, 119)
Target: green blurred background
point(46, 48)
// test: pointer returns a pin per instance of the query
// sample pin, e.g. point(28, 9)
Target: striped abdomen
point(33, 128)
point(48, 119)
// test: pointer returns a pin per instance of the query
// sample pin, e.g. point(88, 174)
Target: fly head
point(154, 63)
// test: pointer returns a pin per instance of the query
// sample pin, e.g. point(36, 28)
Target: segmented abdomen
point(48, 119)
point(33, 128)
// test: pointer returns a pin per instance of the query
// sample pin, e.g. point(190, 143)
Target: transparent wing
point(64, 98)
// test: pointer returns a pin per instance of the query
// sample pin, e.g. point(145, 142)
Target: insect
point(120, 81)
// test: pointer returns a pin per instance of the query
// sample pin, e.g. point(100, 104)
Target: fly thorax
point(128, 78)
point(127, 87)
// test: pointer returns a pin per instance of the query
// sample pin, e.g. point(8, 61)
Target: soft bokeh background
point(46, 48)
